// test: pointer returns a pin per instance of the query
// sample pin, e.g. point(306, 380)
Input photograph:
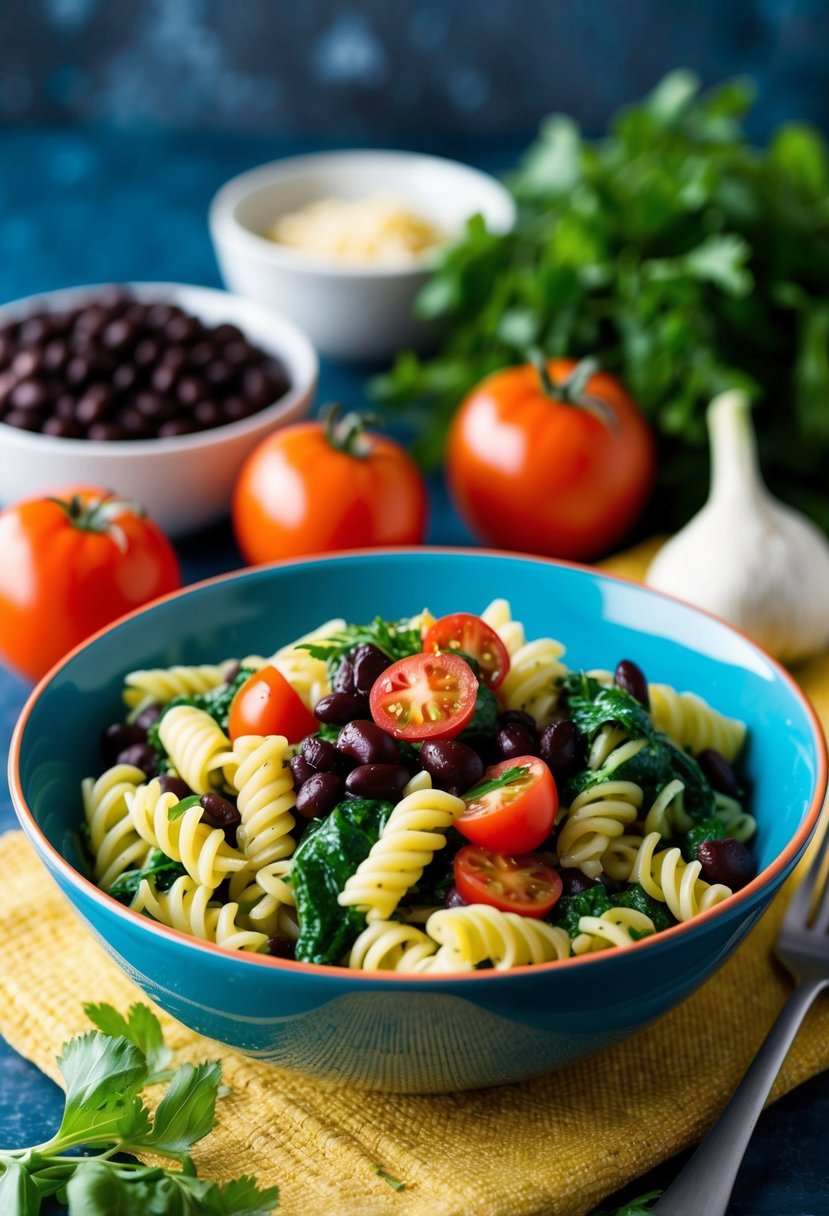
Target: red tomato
point(463, 631)
point(511, 814)
point(267, 705)
point(316, 487)
point(532, 467)
point(426, 696)
point(70, 565)
point(522, 884)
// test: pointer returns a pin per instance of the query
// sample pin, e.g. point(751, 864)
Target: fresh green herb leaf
point(19, 1195)
point(187, 1111)
point(640, 1206)
point(328, 732)
point(393, 1182)
point(103, 1077)
point(397, 640)
point(160, 868)
point(326, 858)
point(591, 706)
point(181, 807)
point(140, 1027)
point(497, 783)
point(707, 829)
point(571, 908)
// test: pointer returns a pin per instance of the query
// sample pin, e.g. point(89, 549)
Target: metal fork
point(704, 1186)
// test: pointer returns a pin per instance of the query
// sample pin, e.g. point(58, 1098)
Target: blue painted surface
point(51, 234)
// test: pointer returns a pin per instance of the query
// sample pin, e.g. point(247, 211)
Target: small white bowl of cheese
point(342, 242)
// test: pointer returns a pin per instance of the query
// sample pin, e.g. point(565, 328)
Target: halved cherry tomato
point(463, 631)
point(515, 809)
point(267, 705)
point(522, 884)
point(425, 696)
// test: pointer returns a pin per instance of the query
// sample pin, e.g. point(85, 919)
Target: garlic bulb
point(746, 556)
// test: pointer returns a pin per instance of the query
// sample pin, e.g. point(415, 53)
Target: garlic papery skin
point(747, 557)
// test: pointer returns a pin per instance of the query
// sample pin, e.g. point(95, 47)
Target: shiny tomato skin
point(520, 883)
point(533, 474)
point(60, 583)
point(516, 818)
point(267, 705)
point(468, 633)
point(425, 696)
point(297, 494)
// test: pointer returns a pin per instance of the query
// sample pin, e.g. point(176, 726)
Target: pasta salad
point(418, 796)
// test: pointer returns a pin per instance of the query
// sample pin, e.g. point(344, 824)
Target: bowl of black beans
point(157, 391)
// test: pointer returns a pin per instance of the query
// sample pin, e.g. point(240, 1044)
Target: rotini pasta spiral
point(264, 895)
point(619, 857)
point(266, 798)
point(307, 676)
point(390, 946)
point(667, 877)
point(531, 683)
point(667, 814)
point(161, 684)
point(115, 844)
point(410, 839)
point(738, 824)
point(692, 723)
point(594, 817)
point(618, 927)
point(197, 746)
point(187, 907)
point(477, 933)
point(203, 851)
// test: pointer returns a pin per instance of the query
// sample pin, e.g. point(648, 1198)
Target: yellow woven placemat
point(549, 1147)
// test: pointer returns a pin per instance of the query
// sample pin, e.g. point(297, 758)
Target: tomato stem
point(572, 390)
point(346, 431)
point(98, 514)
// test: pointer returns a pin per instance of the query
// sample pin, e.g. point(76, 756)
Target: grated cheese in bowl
point(375, 230)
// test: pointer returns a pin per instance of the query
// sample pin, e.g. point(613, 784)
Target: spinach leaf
point(591, 706)
point(570, 908)
point(216, 702)
point(484, 720)
point(706, 829)
point(329, 853)
point(635, 896)
point(160, 868)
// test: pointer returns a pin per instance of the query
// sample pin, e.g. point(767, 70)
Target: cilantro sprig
point(397, 639)
point(105, 1072)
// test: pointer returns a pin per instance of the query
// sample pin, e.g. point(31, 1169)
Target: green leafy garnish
point(393, 1182)
point(635, 896)
point(684, 258)
point(571, 908)
point(160, 868)
point(105, 1072)
point(591, 706)
point(640, 1206)
point(184, 804)
point(397, 640)
point(707, 829)
point(497, 783)
point(329, 853)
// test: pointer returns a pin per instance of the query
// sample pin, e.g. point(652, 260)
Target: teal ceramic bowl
point(423, 1033)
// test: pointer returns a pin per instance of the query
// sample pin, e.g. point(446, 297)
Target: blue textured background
point(112, 115)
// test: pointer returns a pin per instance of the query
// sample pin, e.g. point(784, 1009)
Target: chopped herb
point(497, 783)
point(397, 640)
point(394, 1183)
point(182, 806)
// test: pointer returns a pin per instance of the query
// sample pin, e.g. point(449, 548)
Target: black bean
point(454, 899)
point(343, 680)
point(201, 354)
point(226, 332)
point(177, 426)
point(319, 753)
point(95, 405)
point(218, 373)
point(191, 389)
point(163, 379)
point(256, 385)
point(142, 756)
point(106, 432)
point(515, 740)
point(154, 407)
point(125, 377)
point(149, 715)
point(385, 781)
point(340, 707)
point(146, 352)
point(119, 335)
point(561, 749)
point(35, 331)
point(280, 947)
point(236, 408)
point(219, 812)
point(367, 664)
point(208, 414)
point(719, 773)
point(300, 770)
point(367, 743)
point(62, 428)
point(118, 736)
point(174, 785)
point(56, 355)
point(451, 764)
point(518, 716)
point(573, 882)
point(65, 407)
point(182, 329)
point(25, 364)
point(631, 679)
point(727, 861)
point(23, 420)
point(319, 795)
point(29, 395)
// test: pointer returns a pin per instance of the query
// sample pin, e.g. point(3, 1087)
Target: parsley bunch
point(105, 1072)
point(684, 259)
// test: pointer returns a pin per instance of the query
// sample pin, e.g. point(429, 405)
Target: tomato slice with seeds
point(468, 633)
point(424, 696)
point(513, 808)
point(523, 884)
point(267, 705)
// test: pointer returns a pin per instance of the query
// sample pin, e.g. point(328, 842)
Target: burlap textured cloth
point(549, 1147)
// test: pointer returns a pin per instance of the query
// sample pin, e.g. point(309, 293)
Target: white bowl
point(351, 313)
point(185, 482)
